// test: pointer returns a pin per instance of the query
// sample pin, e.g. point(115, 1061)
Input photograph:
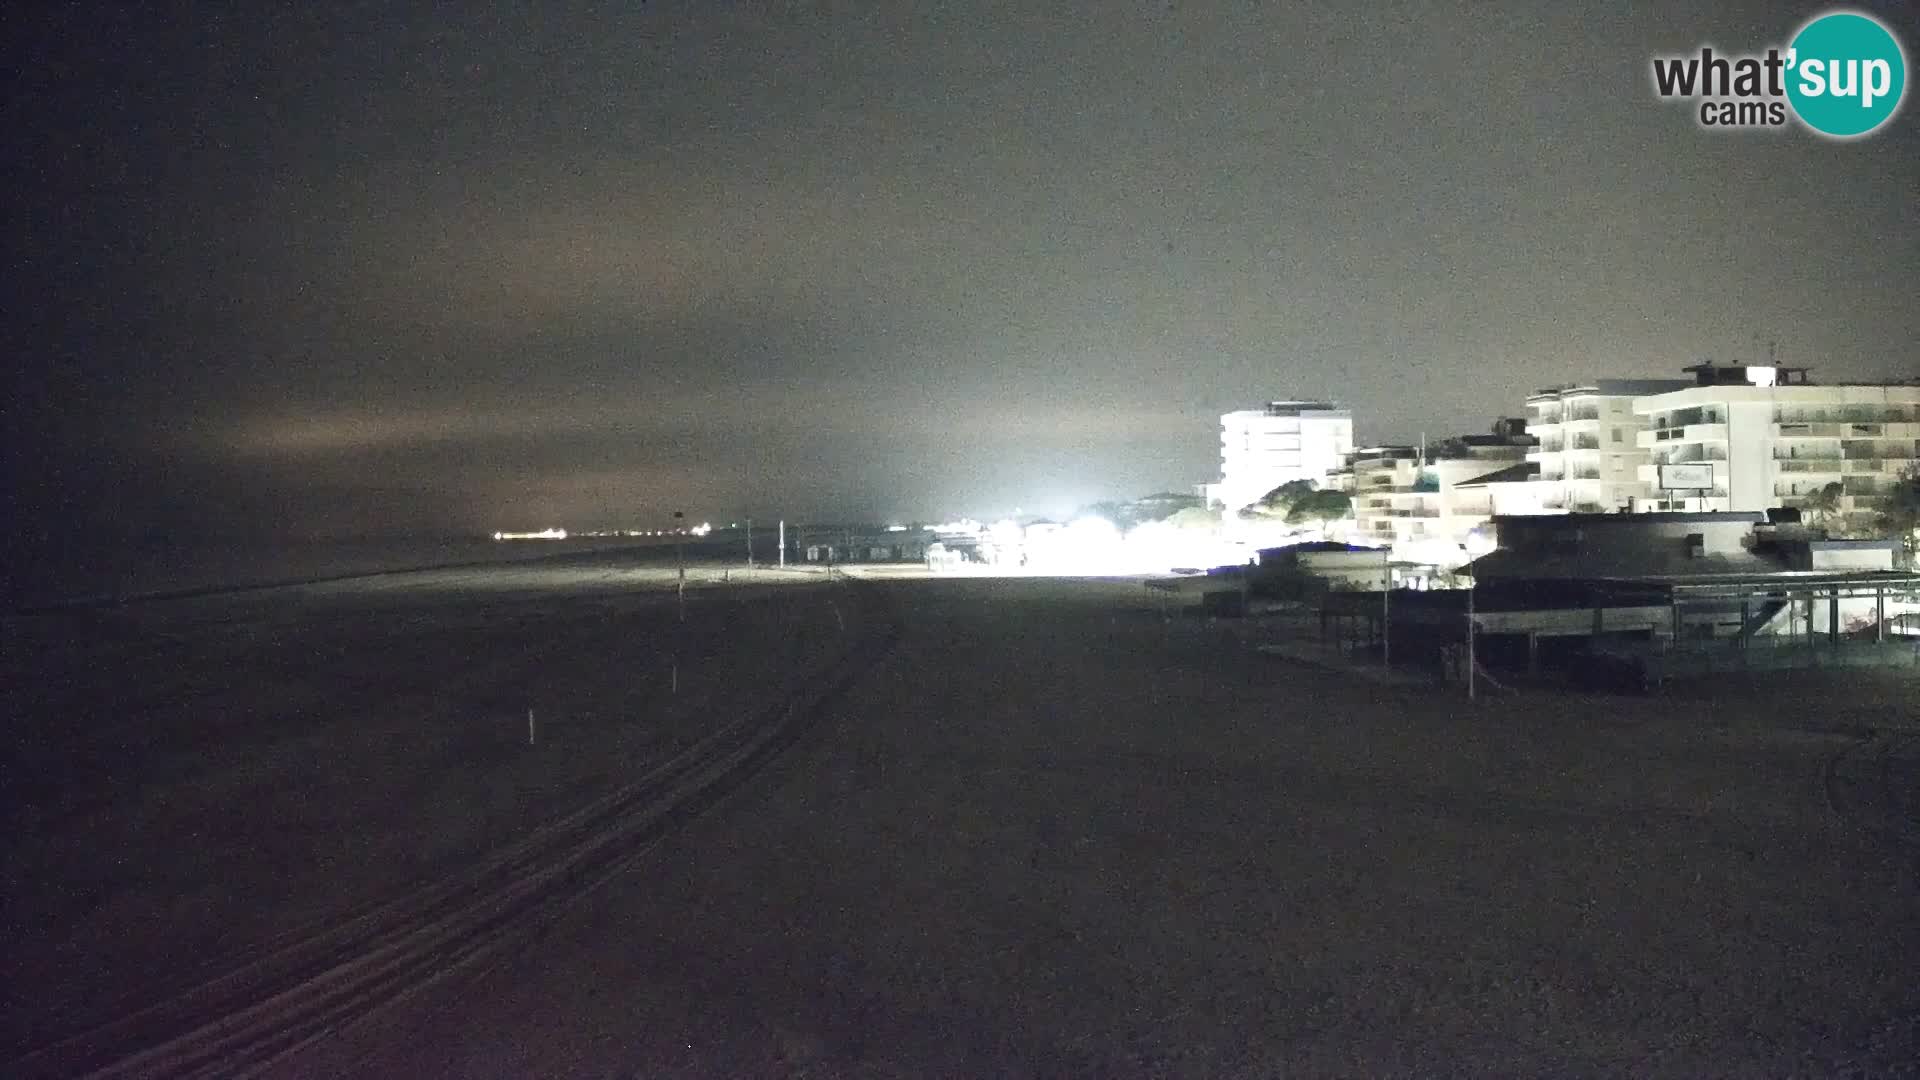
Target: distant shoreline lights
point(701, 529)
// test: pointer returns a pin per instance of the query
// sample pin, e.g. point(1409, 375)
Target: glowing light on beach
point(544, 534)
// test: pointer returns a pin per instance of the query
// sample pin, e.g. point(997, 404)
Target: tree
point(1195, 517)
point(1823, 506)
point(1899, 519)
point(1148, 508)
point(1319, 507)
point(1279, 502)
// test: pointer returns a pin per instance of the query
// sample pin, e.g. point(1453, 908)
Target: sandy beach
point(1044, 831)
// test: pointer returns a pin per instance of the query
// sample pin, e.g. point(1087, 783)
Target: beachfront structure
point(1261, 449)
point(1589, 453)
point(1756, 437)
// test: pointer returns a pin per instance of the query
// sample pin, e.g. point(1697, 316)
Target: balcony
point(1848, 414)
point(1684, 453)
point(1855, 451)
point(1891, 465)
point(1847, 503)
point(1830, 465)
point(1586, 442)
point(1684, 433)
point(1809, 431)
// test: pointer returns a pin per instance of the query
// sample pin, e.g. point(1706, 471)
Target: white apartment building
point(1765, 436)
point(1420, 503)
point(1260, 449)
point(1589, 454)
point(1370, 478)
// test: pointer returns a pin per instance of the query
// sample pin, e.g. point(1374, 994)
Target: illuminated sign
point(1686, 477)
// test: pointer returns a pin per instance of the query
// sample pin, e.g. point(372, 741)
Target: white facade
point(1768, 442)
point(1372, 476)
point(1589, 455)
point(1261, 449)
point(1419, 506)
point(1519, 497)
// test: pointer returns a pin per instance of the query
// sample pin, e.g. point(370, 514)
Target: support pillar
point(1746, 630)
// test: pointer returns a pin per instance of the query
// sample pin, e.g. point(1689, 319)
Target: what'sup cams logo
point(1843, 75)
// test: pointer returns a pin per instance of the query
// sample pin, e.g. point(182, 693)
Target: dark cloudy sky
point(378, 268)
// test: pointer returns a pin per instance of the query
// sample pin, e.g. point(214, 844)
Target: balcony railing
point(1704, 432)
point(1681, 455)
point(1848, 414)
point(1872, 452)
point(1809, 430)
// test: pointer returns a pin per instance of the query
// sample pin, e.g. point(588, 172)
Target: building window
point(1616, 434)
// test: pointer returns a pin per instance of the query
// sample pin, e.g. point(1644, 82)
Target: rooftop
point(1708, 373)
point(1612, 388)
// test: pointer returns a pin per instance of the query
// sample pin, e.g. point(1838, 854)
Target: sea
point(80, 574)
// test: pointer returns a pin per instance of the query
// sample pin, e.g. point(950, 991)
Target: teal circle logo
point(1846, 74)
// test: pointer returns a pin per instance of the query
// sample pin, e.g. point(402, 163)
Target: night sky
point(369, 270)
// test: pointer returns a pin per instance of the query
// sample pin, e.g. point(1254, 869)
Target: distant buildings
point(1261, 449)
point(1742, 438)
point(865, 545)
